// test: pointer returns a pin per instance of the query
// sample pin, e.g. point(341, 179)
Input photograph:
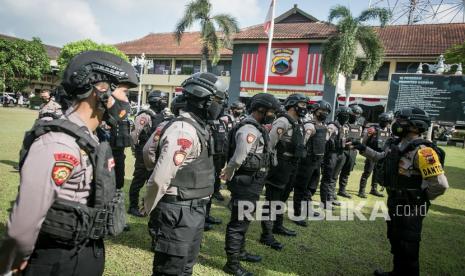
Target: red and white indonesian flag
point(269, 17)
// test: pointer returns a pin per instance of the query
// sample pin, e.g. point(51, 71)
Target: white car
point(7, 98)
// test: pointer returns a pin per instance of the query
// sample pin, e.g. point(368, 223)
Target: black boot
point(233, 267)
point(218, 196)
point(271, 242)
point(345, 194)
point(375, 192)
point(247, 257)
point(134, 211)
point(213, 220)
point(301, 222)
point(283, 231)
point(362, 194)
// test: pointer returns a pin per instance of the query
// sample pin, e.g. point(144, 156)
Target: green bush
point(35, 102)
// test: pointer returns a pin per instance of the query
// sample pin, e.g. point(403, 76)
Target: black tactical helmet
point(415, 116)
point(343, 110)
point(202, 85)
point(386, 117)
point(294, 99)
point(264, 100)
point(356, 109)
point(238, 105)
point(178, 103)
point(156, 96)
point(90, 67)
point(322, 105)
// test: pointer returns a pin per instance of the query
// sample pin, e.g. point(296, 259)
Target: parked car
point(7, 98)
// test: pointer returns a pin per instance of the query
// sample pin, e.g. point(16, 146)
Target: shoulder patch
point(122, 113)
point(184, 143)
point(428, 162)
point(66, 158)
point(60, 173)
point(179, 157)
point(280, 130)
point(142, 121)
point(250, 138)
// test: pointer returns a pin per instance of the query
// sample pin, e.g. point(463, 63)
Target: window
point(222, 68)
point(411, 67)
point(160, 67)
point(187, 67)
point(381, 75)
point(383, 72)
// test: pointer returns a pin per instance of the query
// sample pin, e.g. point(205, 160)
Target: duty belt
point(174, 199)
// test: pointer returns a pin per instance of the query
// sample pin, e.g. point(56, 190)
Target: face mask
point(301, 111)
point(383, 124)
point(400, 129)
point(322, 117)
point(342, 118)
point(214, 110)
point(237, 113)
point(117, 112)
point(352, 119)
point(268, 119)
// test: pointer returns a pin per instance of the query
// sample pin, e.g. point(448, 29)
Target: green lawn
point(324, 248)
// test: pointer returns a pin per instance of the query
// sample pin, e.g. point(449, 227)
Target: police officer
point(375, 137)
point(308, 174)
point(59, 218)
point(346, 166)
point(183, 178)
point(145, 123)
point(49, 108)
point(287, 139)
point(334, 156)
point(413, 175)
point(249, 160)
point(237, 111)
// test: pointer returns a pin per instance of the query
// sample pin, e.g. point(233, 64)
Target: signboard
point(442, 96)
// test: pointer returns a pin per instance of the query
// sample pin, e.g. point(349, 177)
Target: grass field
point(324, 248)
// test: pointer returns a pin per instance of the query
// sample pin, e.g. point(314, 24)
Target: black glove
point(359, 146)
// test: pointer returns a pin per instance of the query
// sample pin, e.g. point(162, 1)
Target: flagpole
point(268, 52)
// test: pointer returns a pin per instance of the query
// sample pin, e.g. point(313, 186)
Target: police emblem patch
point(280, 130)
point(122, 113)
point(60, 173)
point(250, 138)
point(179, 157)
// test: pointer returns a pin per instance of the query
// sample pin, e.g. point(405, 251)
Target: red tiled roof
point(421, 40)
point(164, 44)
point(301, 30)
point(398, 40)
point(52, 51)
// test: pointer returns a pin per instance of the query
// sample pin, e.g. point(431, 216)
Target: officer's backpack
point(382, 166)
point(73, 223)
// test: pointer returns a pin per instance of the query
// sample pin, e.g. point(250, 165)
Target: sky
point(57, 22)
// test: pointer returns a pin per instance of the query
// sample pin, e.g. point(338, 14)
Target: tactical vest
point(378, 140)
point(73, 223)
point(254, 161)
point(388, 173)
point(194, 180)
point(337, 142)
point(120, 135)
point(296, 145)
point(220, 136)
point(355, 133)
point(316, 144)
point(146, 132)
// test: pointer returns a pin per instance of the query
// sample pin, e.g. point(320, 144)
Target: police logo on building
point(282, 61)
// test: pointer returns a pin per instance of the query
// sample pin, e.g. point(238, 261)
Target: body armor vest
point(254, 161)
point(355, 133)
point(316, 144)
point(73, 223)
point(120, 135)
point(220, 136)
point(296, 145)
point(194, 180)
point(378, 140)
point(337, 142)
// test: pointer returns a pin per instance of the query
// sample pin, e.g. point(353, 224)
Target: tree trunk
point(204, 64)
point(348, 88)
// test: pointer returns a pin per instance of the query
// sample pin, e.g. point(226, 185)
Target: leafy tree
point(340, 52)
point(71, 49)
point(456, 54)
point(22, 61)
point(212, 43)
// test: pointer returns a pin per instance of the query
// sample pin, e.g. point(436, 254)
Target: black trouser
point(347, 166)
point(404, 234)
point(245, 188)
point(279, 185)
point(139, 177)
point(367, 170)
point(49, 258)
point(219, 161)
point(330, 171)
point(306, 181)
point(178, 229)
point(119, 157)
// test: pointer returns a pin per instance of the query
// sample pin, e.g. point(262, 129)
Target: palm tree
point(216, 31)
point(340, 52)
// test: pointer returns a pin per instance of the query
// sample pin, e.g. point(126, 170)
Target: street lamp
point(139, 62)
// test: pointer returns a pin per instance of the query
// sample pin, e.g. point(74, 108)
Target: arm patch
point(428, 162)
